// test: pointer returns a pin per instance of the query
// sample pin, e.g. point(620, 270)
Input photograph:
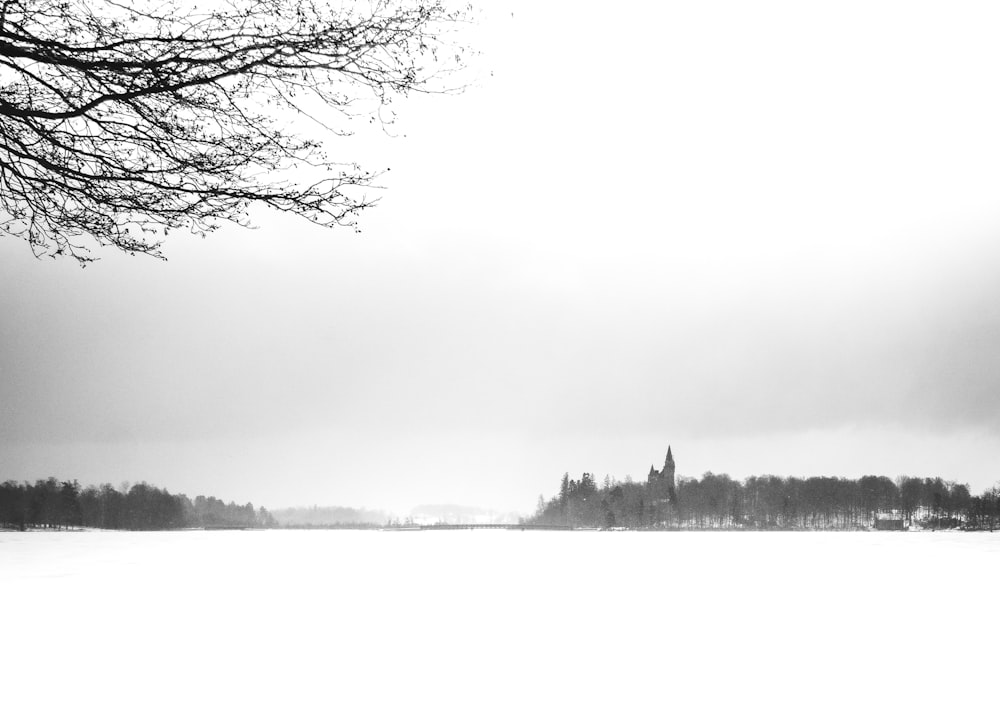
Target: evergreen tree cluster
point(770, 502)
point(51, 503)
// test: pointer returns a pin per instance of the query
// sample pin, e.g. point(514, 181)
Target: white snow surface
point(497, 624)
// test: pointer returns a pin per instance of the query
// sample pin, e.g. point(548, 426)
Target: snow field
point(497, 624)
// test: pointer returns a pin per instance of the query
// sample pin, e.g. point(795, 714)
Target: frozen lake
point(498, 624)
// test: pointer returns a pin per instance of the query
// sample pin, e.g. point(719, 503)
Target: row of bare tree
point(50, 503)
point(819, 502)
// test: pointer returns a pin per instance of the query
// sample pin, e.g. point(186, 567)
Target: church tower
point(662, 482)
point(668, 468)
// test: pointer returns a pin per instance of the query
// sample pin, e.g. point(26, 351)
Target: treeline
point(51, 503)
point(771, 502)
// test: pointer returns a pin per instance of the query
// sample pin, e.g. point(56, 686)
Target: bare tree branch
point(122, 119)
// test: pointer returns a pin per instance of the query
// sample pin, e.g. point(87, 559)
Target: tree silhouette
point(121, 119)
point(141, 507)
point(772, 502)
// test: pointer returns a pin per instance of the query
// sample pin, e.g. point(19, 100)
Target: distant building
point(661, 483)
point(887, 522)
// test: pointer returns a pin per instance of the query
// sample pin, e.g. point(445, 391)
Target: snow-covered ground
point(497, 624)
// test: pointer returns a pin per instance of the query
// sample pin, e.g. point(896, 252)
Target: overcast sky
point(765, 233)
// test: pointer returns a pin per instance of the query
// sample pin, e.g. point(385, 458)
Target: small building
point(887, 522)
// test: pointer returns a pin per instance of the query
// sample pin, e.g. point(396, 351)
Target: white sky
point(765, 233)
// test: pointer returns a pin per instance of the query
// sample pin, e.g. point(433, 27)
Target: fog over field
point(498, 624)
